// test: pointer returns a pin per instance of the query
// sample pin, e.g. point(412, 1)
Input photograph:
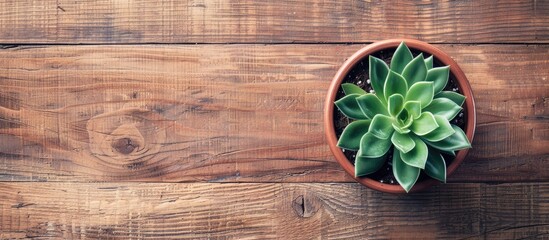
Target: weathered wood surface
point(271, 210)
point(225, 141)
point(219, 21)
point(234, 113)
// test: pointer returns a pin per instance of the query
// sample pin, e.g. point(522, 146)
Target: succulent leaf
point(372, 146)
point(404, 119)
point(454, 96)
point(456, 141)
point(350, 138)
point(378, 70)
point(436, 166)
point(405, 174)
point(349, 88)
point(413, 108)
point(439, 77)
point(415, 71)
point(395, 104)
point(366, 165)
point(443, 130)
point(424, 124)
point(421, 92)
point(400, 129)
point(417, 157)
point(443, 107)
point(403, 142)
point(381, 126)
point(395, 84)
point(348, 105)
point(429, 62)
point(401, 58)
point(371, 105)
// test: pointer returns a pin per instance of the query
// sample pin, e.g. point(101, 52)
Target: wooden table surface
point(203, 120)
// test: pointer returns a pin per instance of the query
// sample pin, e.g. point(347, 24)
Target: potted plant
point(400, 116)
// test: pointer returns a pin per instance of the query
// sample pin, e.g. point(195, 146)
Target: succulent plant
point(407, 109)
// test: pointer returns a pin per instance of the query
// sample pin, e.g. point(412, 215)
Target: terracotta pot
point(329, 108)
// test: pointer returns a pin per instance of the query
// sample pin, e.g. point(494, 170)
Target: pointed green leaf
point(372, 147)
point(417, 157)
point(371, 105)
point(405, 174)
point(401, 58)
point(456, 141)
point(395, 103)
point(381, 126)
point(395, 84)
point(366, 165)
point(454, 96)
point(421, 92)
point(443, 107)
point(349, 88)
point(436, 166)
point(349, 107)
point(400, 129)
point(443, 130)
point(413, 108)
point(350, 138)
point(439, 77)
point(403, 142)
point(378, 70)
point(429, 62)
point(424, 124)
point(405, 122)
point(415, 71)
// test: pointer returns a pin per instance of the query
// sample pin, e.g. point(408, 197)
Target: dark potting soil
point(359, 76)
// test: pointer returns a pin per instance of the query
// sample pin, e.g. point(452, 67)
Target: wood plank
point(271, 210)
point(238, 113)
point(286, 21)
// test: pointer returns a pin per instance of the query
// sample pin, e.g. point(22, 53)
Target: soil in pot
point(359, 75)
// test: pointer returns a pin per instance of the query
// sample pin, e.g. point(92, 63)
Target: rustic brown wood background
point(203, 120)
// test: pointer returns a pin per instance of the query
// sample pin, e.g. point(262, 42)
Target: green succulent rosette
point(407, 109)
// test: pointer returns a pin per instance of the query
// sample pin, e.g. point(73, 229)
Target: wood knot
point(127, 138)
point(304, 207)
point(124, 145)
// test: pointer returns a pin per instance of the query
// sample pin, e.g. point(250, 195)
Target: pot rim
point(463, 83)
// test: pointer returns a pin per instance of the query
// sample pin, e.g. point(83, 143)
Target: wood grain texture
point(287, 21)
point(271, 210)
point(234, 113)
